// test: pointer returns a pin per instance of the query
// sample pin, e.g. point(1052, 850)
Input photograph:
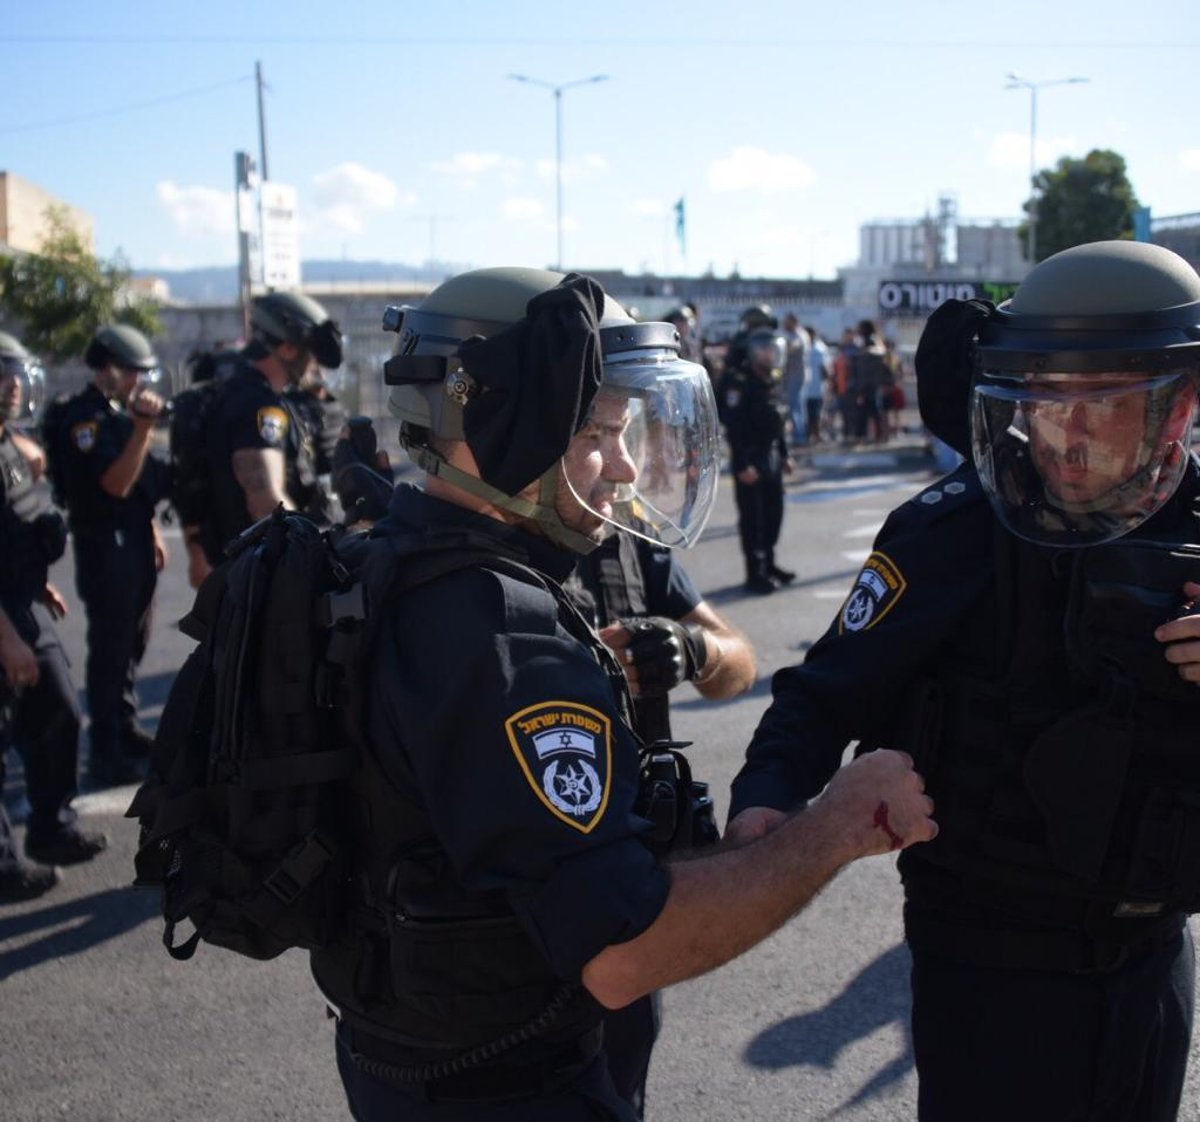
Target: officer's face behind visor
point(646, 459)
point(22, 389)
point(1080, 459)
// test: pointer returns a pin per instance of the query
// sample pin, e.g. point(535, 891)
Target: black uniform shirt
point(94, 433)
point(665, 587)
point(508, 727)
point(248, 413)
point(22, 563)
point(753, 413)
point(929, 565)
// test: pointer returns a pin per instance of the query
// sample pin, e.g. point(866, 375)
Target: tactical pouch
point(1119, 594)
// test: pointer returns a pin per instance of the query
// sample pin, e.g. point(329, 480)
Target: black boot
point(22, 881)
point(783, 576)
point(758, 576)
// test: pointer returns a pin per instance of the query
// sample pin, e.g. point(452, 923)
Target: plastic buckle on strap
point(340, 607)
point(303, 864)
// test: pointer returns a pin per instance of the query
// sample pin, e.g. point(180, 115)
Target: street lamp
point(1016, 82)
point(557, 90)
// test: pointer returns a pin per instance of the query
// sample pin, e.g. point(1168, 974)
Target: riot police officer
point(1024, 628)
point(507, 887)
point(259, 452)
point(324, 417)
point(755, 416)
point(100, 452)
point(644, 605)
point(38, 713)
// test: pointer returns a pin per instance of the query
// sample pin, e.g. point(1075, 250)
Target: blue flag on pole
point(681, 227)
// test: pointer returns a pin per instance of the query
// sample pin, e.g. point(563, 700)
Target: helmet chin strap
point(542, 513)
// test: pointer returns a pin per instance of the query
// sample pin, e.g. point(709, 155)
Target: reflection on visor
point(1079, 460)
point(647, 462)
point(22, 389)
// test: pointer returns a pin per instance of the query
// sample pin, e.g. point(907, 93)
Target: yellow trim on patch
point(604, 724)
point(272, 413)
point(889, 572)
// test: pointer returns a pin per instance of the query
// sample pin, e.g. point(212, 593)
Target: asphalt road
point(98, 1023)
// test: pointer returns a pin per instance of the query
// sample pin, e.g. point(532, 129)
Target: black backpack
point(239, 815)
point(190, 413)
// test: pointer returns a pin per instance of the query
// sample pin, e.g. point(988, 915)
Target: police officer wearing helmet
point(508, 890)
point(259, 450)
point(100, 457)
point(1025, 629)
point(38, 712)
point(755, 415)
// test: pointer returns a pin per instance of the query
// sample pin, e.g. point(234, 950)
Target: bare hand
point(161, 554)
point(19, 662)
point(198, 567)
point(751, 824)
point(55, 601)
point(145, 406)
point(882, 802)
point(748, 475)
point(1182, 638)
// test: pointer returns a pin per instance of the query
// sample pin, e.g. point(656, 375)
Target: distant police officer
point(259, 453)
point(38, 713)
point(111, 483)
point(755, 416)
point(323, 415)
point(642, 603)
point(1026, 629)
point(507, 890)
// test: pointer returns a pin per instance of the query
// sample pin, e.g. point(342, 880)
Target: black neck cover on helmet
point(539, 377)
point(945, 364)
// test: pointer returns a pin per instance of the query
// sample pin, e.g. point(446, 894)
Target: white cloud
point(347, 194)
point(573, 171)
point(1189, 159)
point(748, 169)
point(197, 212)
point(1011, 150)
point(521, 210)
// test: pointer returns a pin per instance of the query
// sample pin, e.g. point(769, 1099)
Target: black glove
point(362, 489)
point(664, 652)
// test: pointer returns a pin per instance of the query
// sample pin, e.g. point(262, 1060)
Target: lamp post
point(1016, 82)
point(557, 90)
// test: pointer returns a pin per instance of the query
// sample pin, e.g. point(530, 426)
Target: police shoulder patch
point(83, 436)
point(272, 424)
point(875, 592)
point(565, 752)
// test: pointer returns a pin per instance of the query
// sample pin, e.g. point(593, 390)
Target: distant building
point(23, 207)
point(1178, 232)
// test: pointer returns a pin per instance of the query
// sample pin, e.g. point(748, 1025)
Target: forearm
point(730, 667)
point(260, 474)
point(35, 457)
point(122, 474)
point(722, 904)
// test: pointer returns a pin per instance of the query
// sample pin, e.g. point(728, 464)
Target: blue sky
point(783, 125)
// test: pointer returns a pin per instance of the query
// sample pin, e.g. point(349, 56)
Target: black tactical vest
point(1071, 766)
point(426, 966)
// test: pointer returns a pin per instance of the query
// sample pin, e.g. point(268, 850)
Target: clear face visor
point(22, 389)
point(768, 353)
point(647, 459)
point(1080, 459)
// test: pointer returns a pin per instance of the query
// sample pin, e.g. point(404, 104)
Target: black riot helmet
point(22, 381)
point(515, 362)
point(118, 344)
point(292, 317)
point(758, 315)
point(1085, 385)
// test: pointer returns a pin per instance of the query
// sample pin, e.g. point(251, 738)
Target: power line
point(116, 111)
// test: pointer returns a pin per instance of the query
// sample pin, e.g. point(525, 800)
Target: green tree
point(60, 296)
point(1081, 201)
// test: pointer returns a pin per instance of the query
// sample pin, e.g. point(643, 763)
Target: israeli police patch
point(565, 752)
point(272, 424)
point(84, 436)
point(879, 586)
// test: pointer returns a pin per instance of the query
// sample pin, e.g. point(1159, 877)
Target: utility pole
point(262, 123)
point(243, 170)
point(1016, 82)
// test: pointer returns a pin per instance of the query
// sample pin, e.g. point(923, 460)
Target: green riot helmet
point(22, 381)
point(517, 363)
point(118, 344)
point(1084, 390)
point(292, 317)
